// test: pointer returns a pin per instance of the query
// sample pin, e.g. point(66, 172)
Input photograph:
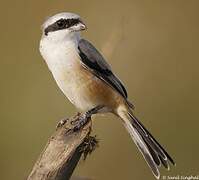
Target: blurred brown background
point(155, 52)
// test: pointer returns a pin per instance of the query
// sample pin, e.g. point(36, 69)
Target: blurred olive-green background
point(153, 46)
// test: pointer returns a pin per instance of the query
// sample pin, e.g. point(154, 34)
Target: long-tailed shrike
point(87, 80)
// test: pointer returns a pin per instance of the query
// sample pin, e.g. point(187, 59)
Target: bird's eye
point(61, 23)
point(69, 22)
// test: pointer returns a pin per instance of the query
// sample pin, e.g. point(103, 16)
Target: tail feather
point(155, 156)
point(161, 151)
point(143, 149)
point(152, 151)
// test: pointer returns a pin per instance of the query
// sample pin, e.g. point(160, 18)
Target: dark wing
point(94, 61)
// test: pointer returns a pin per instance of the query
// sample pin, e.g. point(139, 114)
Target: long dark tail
point(152, 151)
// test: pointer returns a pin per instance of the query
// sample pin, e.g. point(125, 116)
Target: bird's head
point(63, 25)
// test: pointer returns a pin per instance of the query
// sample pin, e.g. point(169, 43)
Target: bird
point(87, 80)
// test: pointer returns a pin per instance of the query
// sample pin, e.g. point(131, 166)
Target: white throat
point(59, 52)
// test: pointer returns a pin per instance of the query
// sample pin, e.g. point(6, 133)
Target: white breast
point(63, 61)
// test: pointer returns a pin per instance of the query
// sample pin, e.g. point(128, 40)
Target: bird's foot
point(80, 122)
point(84, 118)
point(61, 123)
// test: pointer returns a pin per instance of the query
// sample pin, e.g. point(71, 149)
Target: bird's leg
point(84, 118)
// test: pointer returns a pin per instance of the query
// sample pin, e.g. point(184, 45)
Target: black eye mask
point(61, 24)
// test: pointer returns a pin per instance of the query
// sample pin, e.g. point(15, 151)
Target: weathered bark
point(64, 149)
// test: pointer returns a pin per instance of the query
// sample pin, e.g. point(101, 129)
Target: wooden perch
point(64, 148)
